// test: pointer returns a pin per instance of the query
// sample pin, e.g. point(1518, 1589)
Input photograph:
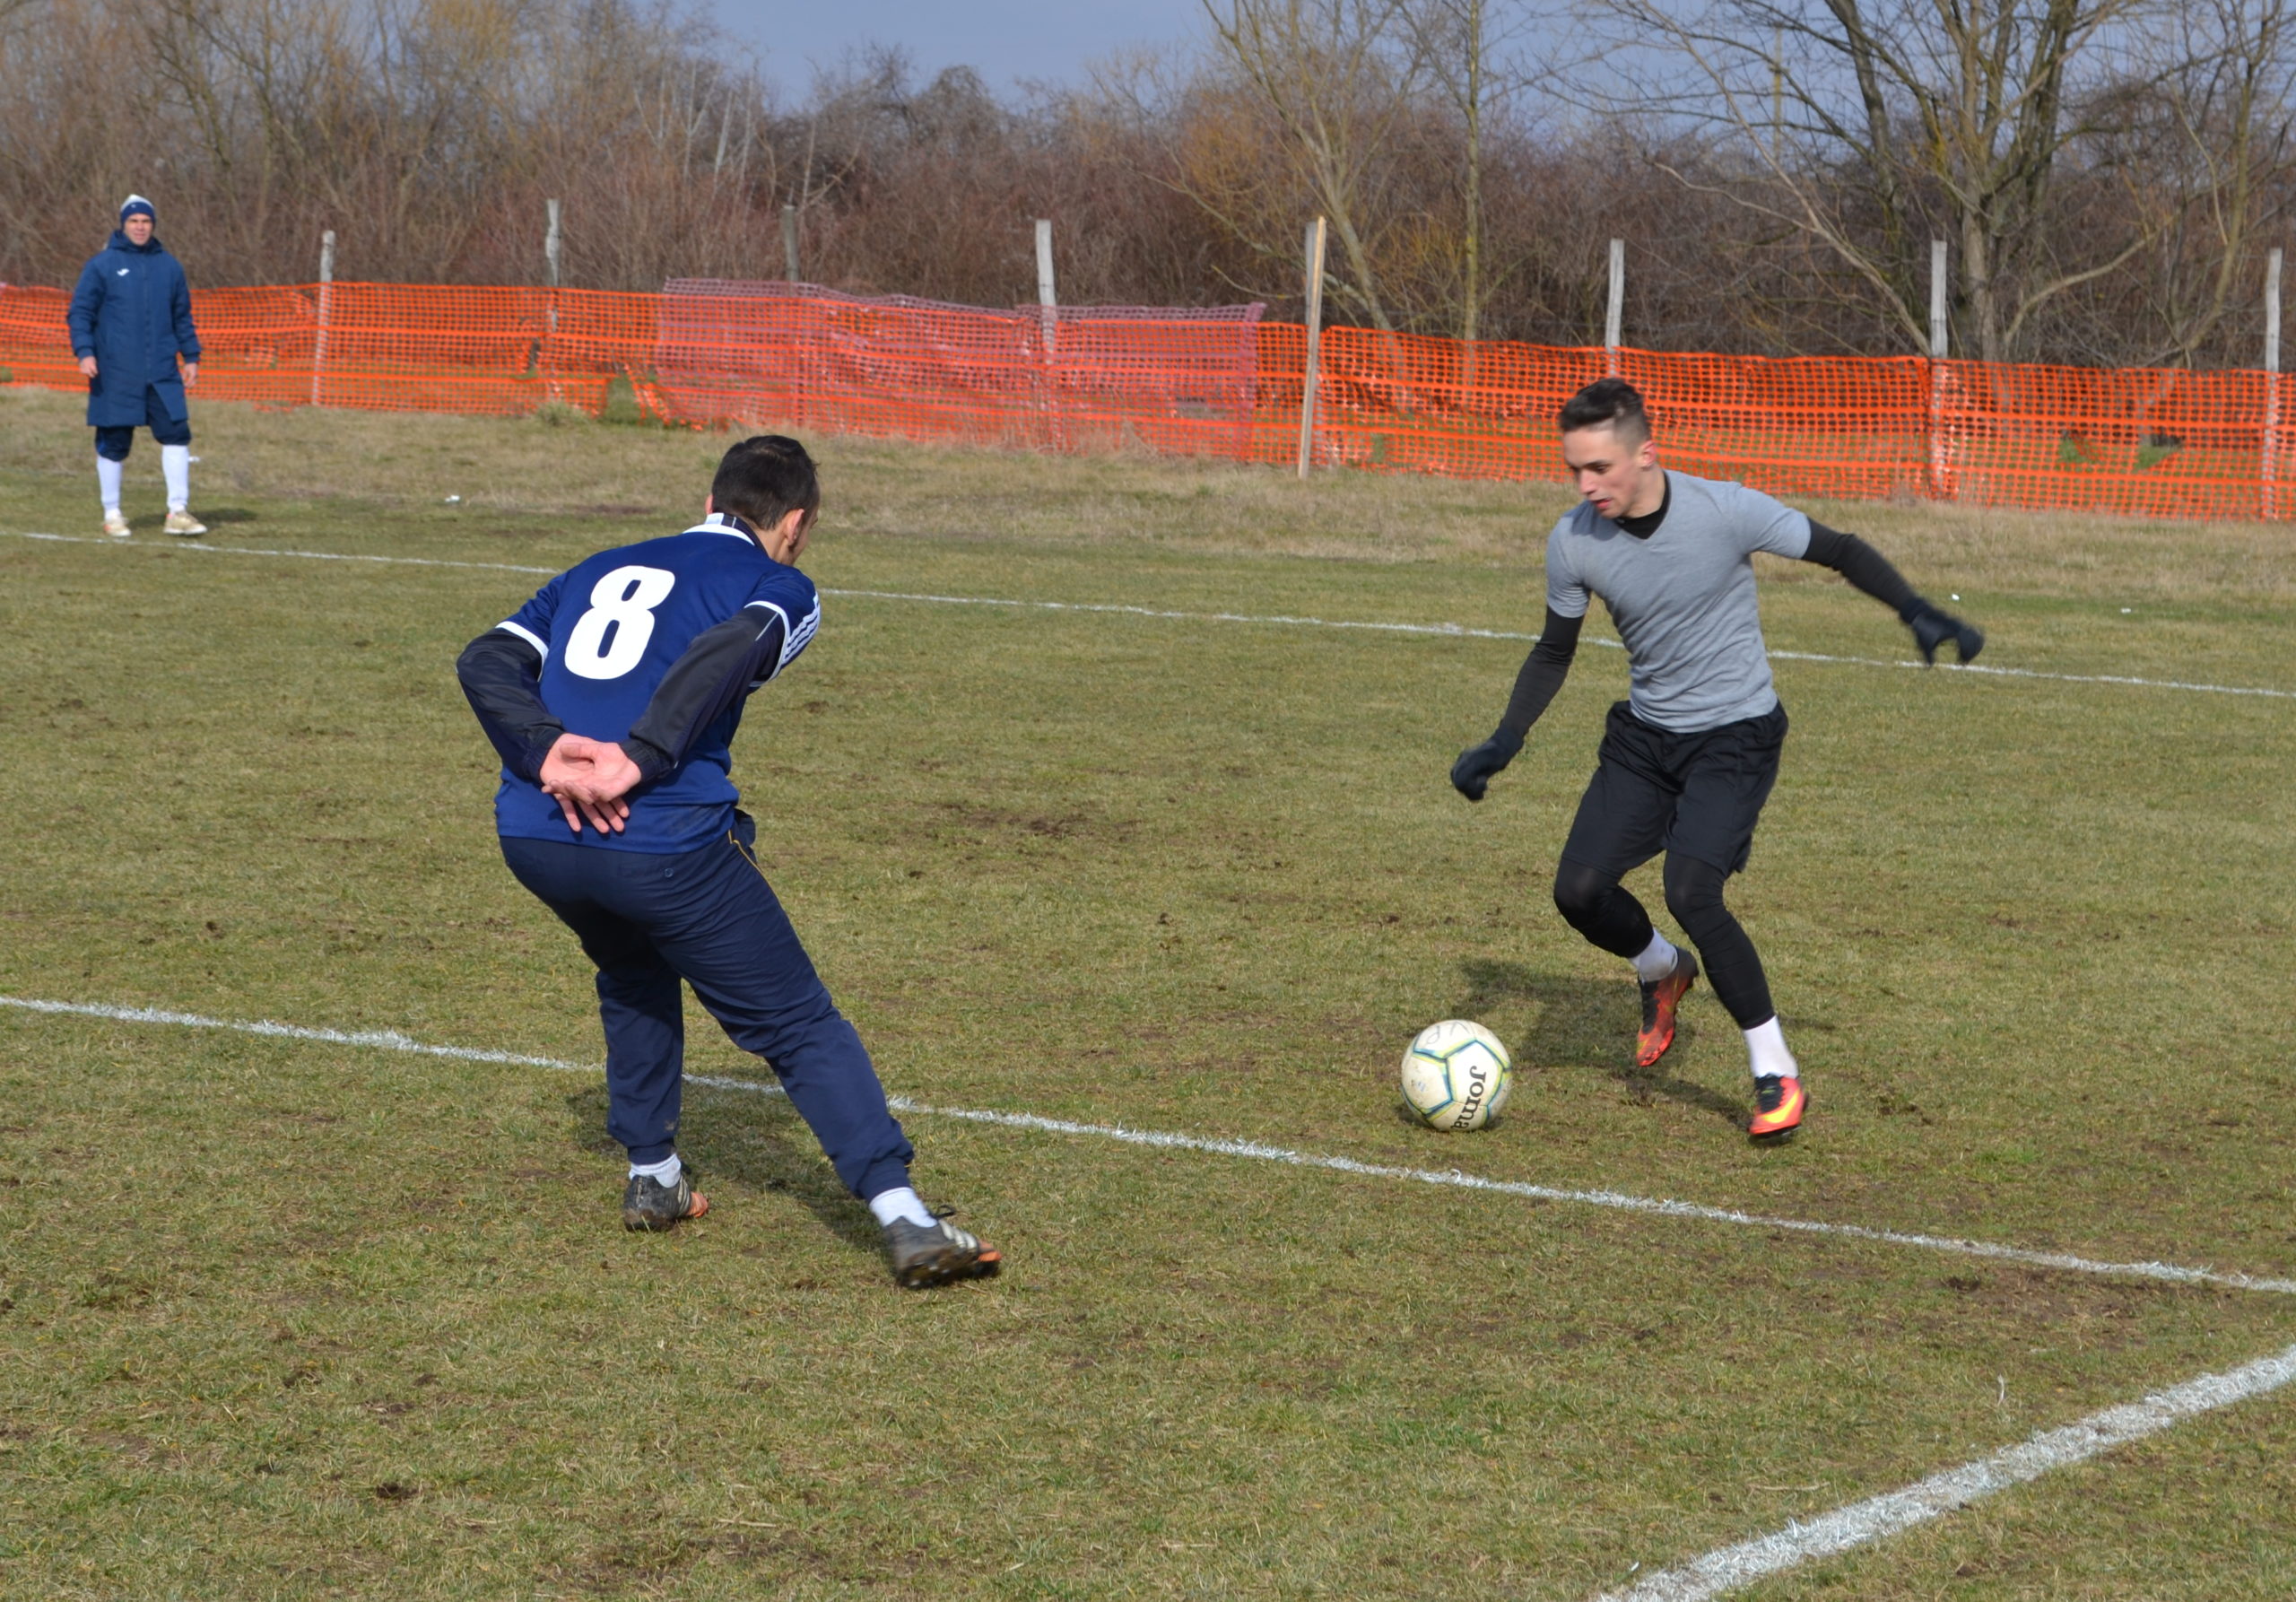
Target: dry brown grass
point(574, 467)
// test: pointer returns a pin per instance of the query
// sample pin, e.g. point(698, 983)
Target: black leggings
point(1601, 909)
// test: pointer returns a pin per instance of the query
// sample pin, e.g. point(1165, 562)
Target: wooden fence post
point(1940, 483)
point(789, 242)
point(1613, 321)
point(1049, 334)
point(550, 251)
point(326, 308)
point(1315, 268)
point(2271, 463)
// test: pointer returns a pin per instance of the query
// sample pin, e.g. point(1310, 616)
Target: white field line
point(1450, 631)
point(1618, 1201)
point(1724, 1570)
point(1877, 1518)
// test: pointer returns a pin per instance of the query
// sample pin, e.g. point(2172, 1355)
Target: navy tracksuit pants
point(709, 918)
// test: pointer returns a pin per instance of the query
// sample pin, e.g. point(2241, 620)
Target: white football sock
point(899, 1204)
point(664, 1173)
point(109, 474)
point(1657, 961)
point(175, 461)
point(1766, 1047)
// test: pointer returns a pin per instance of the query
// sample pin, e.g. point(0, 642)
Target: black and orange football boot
point(938, 1253)
point(1778, 1101)
point(1658, 1002)
point(648, 1204)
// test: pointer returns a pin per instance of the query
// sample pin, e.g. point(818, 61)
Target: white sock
point(109, 474)
point(175, 461)
point(899, 1204)
point(1766, 1047)
point(664, 1173)
point(1657, 961)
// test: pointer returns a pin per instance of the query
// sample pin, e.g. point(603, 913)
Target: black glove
point(1932, 628)
point(1476, 765)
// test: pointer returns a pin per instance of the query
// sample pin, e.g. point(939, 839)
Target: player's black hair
point(765, 478)
point(1608, 402)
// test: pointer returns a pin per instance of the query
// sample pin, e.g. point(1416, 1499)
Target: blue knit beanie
point(136, 205)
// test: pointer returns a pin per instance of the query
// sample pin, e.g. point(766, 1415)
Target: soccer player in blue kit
point(613, 696)
point(1688, 758)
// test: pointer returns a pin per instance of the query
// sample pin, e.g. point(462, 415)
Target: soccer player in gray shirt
point(1690, 756)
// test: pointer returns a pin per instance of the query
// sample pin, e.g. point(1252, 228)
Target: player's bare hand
point(603, 770)
point(607, 818)
point(589, 779)
point(87, 367)
point(604, 816)
point(190, 374)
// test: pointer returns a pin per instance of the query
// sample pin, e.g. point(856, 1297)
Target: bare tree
point(1335, 77)
point(2202, 143)
point(1468, 46)
point(1868, 121)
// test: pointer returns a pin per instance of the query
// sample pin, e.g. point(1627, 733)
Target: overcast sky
point(1006, 40)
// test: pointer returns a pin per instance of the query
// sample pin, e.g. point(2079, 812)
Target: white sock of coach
point(900, 1203)
point(664, 1173)
point(109, 474)
point(1657, 961)
point(1766, 1049)
point(175, 462)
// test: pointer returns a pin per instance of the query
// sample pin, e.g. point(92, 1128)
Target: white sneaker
point(116, 526)
point(185, 524)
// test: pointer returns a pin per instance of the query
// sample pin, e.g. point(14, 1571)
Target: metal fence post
point(789, 241)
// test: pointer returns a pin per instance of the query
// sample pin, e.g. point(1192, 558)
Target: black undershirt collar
point(1646, 525)
point(725, 523)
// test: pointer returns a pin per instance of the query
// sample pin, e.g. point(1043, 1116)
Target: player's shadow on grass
point(214, 517)
point(754, 1140)
point(1577, 1022)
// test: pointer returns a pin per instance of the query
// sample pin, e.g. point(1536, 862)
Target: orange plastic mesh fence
point(1224, 383)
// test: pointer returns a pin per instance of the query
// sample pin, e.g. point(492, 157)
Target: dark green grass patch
point(295, 1319)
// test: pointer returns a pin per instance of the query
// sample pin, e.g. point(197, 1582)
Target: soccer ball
point(1457, 1076)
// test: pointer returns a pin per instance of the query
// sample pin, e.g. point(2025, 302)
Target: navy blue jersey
point(610, 629)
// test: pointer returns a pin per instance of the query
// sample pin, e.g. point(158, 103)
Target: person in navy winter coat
point(131, 318)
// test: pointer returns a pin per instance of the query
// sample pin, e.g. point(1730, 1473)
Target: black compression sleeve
point(501, 674)
point(1542, 674)
point(721, 665)
point(1865, 568)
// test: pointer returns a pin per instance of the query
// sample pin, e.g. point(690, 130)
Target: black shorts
point(1655, 790)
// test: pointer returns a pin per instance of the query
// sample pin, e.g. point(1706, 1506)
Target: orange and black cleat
point(938, 1253)
point(1658, 1004)
point(1778, 1102)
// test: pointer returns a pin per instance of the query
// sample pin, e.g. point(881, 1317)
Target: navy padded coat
point(132, 312)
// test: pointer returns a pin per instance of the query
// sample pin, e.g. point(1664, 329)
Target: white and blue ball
point(1457, 1076)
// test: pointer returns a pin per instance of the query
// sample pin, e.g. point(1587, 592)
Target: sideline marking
point(1447, 631)
point(390, 1040)
point(1877, 1518)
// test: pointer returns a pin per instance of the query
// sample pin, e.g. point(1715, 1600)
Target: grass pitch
point(288, 1318)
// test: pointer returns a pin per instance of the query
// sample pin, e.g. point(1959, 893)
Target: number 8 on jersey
point(609, 639)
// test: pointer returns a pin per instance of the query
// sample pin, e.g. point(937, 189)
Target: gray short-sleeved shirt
point(1683, 599)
